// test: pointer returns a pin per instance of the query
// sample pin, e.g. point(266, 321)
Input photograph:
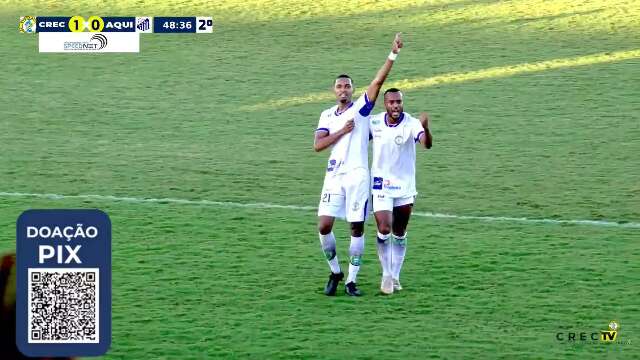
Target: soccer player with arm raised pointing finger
point(345, 192)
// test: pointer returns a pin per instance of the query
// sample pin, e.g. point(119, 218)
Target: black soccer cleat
point(332, 284)
point(351, 289)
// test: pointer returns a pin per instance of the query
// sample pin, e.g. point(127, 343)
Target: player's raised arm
point(425, 138)
point(374, 88)
point(323, 139)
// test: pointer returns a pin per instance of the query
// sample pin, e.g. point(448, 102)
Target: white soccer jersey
point(350, 152)
point(393, 168)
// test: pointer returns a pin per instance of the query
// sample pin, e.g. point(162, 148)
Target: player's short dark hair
point(344, 76)
point(392, 90)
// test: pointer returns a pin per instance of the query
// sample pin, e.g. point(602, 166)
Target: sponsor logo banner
point(84, 42)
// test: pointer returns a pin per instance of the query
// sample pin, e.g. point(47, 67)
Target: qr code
point(63, 305)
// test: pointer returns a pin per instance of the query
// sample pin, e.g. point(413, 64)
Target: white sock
point(328, 243)
point(355, 257)
point(399, 249)
point(384, 253)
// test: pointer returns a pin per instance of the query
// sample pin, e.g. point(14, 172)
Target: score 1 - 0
point(77, 24)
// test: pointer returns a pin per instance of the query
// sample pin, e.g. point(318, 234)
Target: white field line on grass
point(312, 208)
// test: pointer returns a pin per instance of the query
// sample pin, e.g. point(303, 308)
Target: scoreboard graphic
point(96, 34)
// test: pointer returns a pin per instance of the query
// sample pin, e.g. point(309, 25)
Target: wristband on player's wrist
point(392, 56)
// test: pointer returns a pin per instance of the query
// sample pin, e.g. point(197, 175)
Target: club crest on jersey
point(398, 140)
point(377, 183)
point(356, 206)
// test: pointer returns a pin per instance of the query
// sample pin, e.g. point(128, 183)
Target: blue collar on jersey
point(343, 111)
point(393, 125)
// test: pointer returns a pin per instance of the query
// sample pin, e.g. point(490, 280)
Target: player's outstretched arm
point(425, 138)
point(323, 139)
point(374, 88)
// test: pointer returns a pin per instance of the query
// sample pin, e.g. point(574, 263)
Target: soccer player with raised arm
point(345, 192)
point(393, 169)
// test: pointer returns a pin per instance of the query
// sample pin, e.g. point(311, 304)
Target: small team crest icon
point(27, 24)
point(356, 206)
point(144, 24)
point(398, 140)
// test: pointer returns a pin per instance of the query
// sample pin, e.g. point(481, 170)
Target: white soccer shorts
point(346, 196)
point(382, 202)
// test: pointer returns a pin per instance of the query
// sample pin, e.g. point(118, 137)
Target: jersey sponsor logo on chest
point(398, 139)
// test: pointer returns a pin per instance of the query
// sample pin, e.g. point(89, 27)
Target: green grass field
point(230, 116)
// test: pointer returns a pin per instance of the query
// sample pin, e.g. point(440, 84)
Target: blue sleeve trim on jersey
point(418, 137)
point(324, 129)
point(367, 107)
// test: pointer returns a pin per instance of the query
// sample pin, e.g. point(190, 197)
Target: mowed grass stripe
point(624, 224)
point(460, 77)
